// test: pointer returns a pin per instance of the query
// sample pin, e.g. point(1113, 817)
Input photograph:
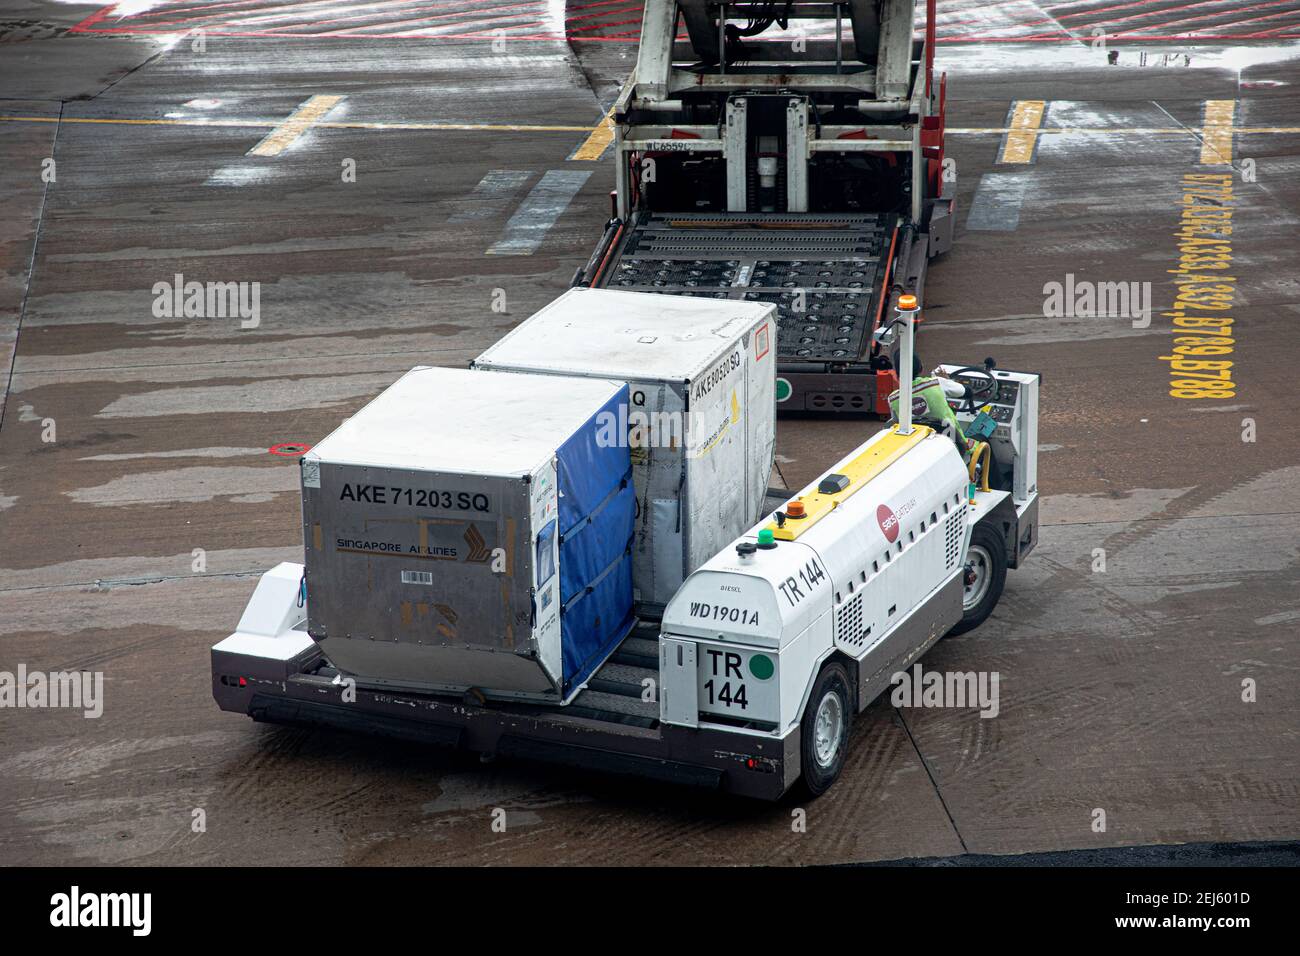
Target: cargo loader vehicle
point(790, 153)
point(468, 567)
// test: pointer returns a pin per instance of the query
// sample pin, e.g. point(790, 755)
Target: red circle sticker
point(290, 449)
point(888, 522)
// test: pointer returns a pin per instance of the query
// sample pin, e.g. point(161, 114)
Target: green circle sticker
point(761, 666)
point(783, 389)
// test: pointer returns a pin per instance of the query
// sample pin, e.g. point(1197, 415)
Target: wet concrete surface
point(131, 538)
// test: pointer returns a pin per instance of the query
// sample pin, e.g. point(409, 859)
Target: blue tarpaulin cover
point(597, 512)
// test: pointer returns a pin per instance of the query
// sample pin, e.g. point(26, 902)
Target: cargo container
point(702, 419)
point(470, 530)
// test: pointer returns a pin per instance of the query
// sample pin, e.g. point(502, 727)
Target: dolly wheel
point(824, 730)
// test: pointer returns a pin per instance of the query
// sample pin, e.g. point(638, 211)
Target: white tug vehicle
point(807, 618)
point(763, 656)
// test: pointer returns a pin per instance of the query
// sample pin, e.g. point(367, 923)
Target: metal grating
point(845, 274)
point(703, 273)
point(739, 220)
point(695, 242)
point(824, 273)
point(954, 526)
point(849, 631)
point(831, 325)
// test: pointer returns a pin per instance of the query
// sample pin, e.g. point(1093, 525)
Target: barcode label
point(417, 577)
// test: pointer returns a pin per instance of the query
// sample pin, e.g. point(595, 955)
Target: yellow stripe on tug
point(860, 470)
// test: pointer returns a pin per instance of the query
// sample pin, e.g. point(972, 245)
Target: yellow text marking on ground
point(1216, 142)
point(1026, 118)
point(298, 123)
point(595, 145)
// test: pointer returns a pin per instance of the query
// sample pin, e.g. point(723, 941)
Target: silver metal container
point(432, 529)
point(701, 423)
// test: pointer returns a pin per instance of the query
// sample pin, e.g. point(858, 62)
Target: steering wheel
point(982, 390)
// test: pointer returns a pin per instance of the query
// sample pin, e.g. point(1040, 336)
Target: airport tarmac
point(386, 175)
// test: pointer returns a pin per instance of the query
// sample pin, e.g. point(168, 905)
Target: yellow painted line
point(272, 124)
point(495, 127)
point(1114, 130)
point(1216, 144)
point(117, 121)
point(299, 121)
point(535, 128)
point(1026, 118)
point(598, 141)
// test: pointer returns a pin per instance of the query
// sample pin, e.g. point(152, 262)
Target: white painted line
point(491, 194)
point(996, 205)
point(537, 213)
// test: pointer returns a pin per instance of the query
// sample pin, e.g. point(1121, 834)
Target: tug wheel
point(985, 576)
point(824, 730)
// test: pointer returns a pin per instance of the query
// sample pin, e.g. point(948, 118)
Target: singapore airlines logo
point(479, 552)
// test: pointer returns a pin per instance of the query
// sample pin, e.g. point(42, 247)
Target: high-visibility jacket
point(929, 403)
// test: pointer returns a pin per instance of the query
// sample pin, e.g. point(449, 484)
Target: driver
point(930, 404)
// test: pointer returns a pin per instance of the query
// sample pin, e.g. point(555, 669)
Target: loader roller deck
point(827, 274)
